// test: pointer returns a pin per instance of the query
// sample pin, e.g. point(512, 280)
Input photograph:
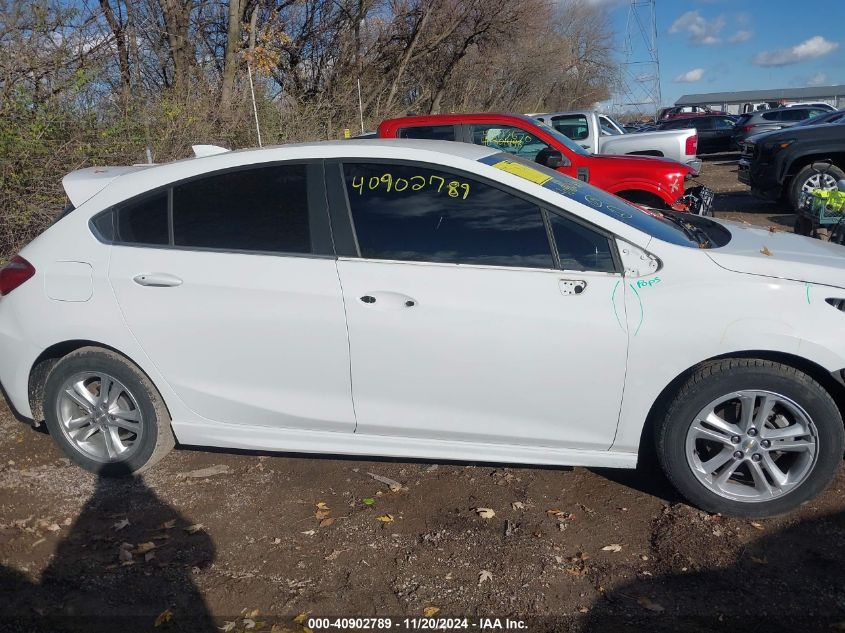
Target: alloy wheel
point(100, 417)
point(752, 446)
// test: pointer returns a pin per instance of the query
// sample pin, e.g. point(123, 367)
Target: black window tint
point(581, 248)
point(143, 221)
point(262, 209)
point(774, 115)
point(408, 213)
point(432, 132)
point(572, 125)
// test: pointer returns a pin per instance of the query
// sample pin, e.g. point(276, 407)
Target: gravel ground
point(269, 538)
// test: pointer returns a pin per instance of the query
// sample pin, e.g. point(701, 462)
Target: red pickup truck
point(644, 180)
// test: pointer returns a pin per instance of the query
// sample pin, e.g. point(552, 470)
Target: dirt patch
point(251, 544)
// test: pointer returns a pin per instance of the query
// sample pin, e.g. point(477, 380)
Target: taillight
point(692, 145)
point(747, 128)
point(15, 273)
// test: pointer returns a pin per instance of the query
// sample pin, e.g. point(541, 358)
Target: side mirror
point(551, 158)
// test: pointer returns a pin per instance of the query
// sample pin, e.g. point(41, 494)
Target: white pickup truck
point(600, 134)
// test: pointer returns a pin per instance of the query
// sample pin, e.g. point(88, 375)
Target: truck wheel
point(750, 438)
point(105, 414)
point(817, 176)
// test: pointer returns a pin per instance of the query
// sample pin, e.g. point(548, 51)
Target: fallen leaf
point(613, 547)
point(300, 619)
point(554, 511)
point(385, 518)
point(430, 612)
point(484, 575)
point(310, 532)
point(167, 525)
point(646, 602)
point(485, 513)
point(193, 529)
point(149, 556)
point(759, 526)
point(326, 522)
point(518, 505)
point(766, 251)
point(53, 527)
point(249, 623)
point(143, 548)
point(773, 229)
point(120, 525)
point(322, 514)
point(219, 469)
point(164, 617)
point(369, 501)
point(394, 485)
point(227, 626)
point(321, 505)
point(125, 552)
point(277, 541)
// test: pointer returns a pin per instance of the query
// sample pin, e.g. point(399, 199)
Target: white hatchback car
point(430, 300)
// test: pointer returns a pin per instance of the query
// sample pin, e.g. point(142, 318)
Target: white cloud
point(819, 79)
point(811, 49)
point(690, 76)
point(741, 36)
point(701, 30)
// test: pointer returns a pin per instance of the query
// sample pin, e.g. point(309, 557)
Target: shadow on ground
point(104, 577)
point(790, 581)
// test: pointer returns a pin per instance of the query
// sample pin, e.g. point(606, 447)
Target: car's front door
point(236, 297)
point(464, 324)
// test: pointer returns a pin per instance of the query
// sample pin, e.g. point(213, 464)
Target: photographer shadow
point(110, 575)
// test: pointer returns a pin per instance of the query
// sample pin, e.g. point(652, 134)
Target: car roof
point(83, 184)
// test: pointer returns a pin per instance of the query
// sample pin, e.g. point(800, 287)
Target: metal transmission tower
point(639, 81)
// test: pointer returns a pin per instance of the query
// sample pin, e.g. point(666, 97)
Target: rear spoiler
point(83, 184)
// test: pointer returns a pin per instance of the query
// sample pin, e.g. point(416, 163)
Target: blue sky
point(720, 45)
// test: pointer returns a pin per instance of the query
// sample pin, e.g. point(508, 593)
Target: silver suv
point(768, 120)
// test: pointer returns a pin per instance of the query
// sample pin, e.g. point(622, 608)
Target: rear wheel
point(750, 438)
point(105, 414)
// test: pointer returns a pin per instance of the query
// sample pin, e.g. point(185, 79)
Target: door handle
point(572, 286)
point(157, 280)
point(386, 300)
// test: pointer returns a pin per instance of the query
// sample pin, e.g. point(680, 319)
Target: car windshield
point(676, 228)
point(562, 139)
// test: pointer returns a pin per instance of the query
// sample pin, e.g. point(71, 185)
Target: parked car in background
point(600, 134)
point(768, 120)
point(821, 105)
point(645, 180)
point(416, 299)
point(786, 163)
point(715, 131)
point(678, 111)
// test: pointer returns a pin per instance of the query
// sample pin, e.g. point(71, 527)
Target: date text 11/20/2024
point(412, 624)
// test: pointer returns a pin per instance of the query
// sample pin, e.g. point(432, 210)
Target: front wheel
point(812, 177)
point(105, 414)
point(750, 438)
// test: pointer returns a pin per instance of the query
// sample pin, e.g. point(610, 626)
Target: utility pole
point(639, 81)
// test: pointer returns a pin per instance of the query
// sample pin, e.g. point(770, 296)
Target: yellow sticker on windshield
point(523, 171)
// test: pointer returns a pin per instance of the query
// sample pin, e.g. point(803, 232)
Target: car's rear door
point(229, 283)
point(464, 323)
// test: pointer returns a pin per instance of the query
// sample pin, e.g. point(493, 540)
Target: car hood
point(759, 251)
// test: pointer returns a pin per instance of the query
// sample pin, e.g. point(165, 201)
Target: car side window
point(581, 248)
point(260, 209)
point(431, 132)
point(722, 123)
point(138, 221)
point(574, 126)
point(410, 213)
point(507, 138)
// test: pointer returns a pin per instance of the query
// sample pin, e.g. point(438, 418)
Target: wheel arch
point(45, 362)
point(641, 196)
point(834, 385)
point(801, 161)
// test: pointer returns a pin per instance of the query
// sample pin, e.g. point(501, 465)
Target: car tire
point(806, 465)
point(124, 434)
point(807, 173)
